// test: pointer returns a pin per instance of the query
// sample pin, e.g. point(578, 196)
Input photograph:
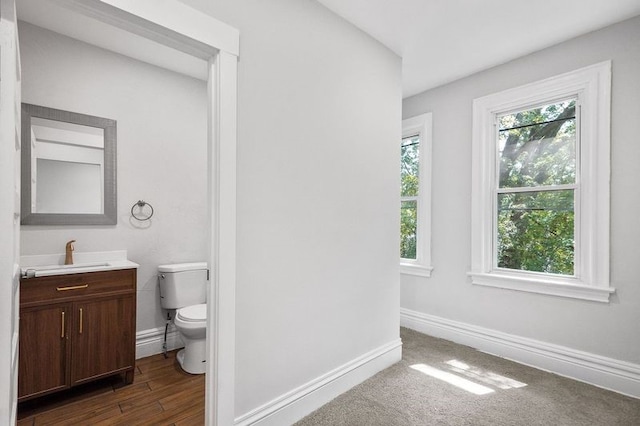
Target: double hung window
point(415, 196)
point(410, 190)
point(536, 187)
point(540, 189)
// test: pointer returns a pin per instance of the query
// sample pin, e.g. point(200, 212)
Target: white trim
point(592, 87)
point(297, 403)
point(221, 326)
point(421, 125)
point(149, 342)
point(543, 284)
point(608, 373)
point(9, 208)
point(417, 270)
point(170, 23)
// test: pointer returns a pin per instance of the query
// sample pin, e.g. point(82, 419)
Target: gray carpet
point(401, 395)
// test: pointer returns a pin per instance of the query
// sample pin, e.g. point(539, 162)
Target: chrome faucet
point(68, 258)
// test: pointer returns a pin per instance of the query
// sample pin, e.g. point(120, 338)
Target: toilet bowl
point(183, 288)
point(191, 324)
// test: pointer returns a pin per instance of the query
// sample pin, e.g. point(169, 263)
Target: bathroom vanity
point(76, 327)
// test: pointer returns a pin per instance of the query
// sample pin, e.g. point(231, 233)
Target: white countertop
point(53, 264)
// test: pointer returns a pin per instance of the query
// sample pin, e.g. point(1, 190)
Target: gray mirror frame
point(110, 216)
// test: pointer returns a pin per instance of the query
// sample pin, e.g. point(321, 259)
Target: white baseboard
point(149, 342)
point(294, 405)
point(608, 373)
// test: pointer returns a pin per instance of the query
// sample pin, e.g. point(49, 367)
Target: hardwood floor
point(161, 394)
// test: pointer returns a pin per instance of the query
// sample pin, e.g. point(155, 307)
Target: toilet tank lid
point(179, 267)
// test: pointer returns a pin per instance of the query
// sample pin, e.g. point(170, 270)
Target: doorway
point(178, 27)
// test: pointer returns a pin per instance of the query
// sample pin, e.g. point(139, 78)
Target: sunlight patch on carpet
point(484, 376)
point(453, 379)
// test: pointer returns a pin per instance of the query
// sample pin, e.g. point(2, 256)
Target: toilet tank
point(182, 284)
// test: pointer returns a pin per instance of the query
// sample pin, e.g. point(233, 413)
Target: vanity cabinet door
point(103, 337)
point(44, 338)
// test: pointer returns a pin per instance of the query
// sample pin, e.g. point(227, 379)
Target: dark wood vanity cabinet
point(74, 329)
point(43, 351)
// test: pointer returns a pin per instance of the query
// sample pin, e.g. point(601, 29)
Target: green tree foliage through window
point(536, 189)
point(409, 182)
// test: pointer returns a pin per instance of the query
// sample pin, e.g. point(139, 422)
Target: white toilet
point(183, 287)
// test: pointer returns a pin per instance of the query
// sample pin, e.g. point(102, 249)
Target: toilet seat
point(193, 313)
point(191, 324)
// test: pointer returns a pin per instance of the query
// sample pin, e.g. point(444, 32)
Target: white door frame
point(9, 208)
point(178, 26)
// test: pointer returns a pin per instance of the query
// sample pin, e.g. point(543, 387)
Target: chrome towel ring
point(141, 204)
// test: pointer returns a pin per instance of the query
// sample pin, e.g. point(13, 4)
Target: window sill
point(551, 286)
point(416, 270)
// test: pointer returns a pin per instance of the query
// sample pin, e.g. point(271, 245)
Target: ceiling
point(444, 40)
point(54, 16)
point(439, 40)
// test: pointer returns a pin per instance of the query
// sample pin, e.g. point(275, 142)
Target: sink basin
point(40, 271)
point(77, 265)
point(44, 265)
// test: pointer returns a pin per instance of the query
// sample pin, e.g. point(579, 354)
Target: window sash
point(576, 236)
point(497, 190)
point(414, 198)
point(536, 188)
point(416, 234)
point(410, 198)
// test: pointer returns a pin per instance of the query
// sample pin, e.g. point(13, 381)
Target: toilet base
point(193, 360)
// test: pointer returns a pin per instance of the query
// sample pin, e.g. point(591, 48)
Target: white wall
point(609, 329)
point(319, 109)
point(161, 119)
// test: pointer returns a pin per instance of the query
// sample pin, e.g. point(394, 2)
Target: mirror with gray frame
point(68, 168)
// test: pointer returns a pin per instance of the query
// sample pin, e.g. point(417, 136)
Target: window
point(415, 196)
point(540, 189)
point(536, 189)
point(409, 191)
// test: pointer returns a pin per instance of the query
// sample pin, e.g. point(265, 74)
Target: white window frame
point(421, 126)
point(592, 87)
